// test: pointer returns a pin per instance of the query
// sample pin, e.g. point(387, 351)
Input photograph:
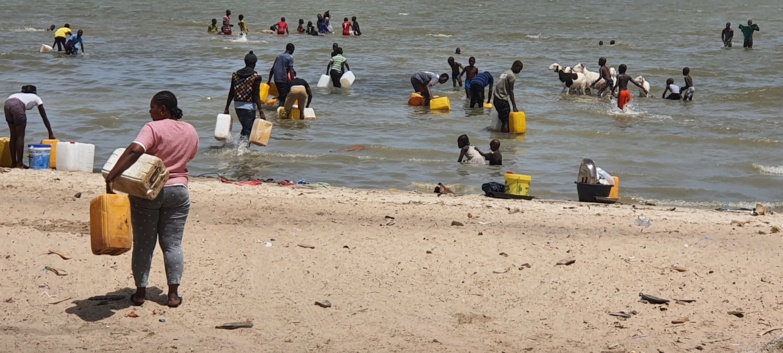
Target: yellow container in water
point(615, 192)
point(264, 92)
point(516, 123)
point(415, 99)
point(440, 103)
point(488, 105)
point(271, 101)
point(273, 90)
point(5, 152)
point(518, 184)
point(53, 155)
point(261, 132)
point(110, 224)
point(295, 113)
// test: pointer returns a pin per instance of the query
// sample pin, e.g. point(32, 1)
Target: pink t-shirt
point(173, 141)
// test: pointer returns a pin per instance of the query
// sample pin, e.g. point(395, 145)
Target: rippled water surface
point(724, 147)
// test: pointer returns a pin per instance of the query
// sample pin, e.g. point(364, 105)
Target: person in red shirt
point(282, 27)
point(347, 25)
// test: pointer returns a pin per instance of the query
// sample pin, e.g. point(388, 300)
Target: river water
point(722, 148)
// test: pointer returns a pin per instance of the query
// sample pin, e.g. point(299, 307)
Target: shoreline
point(413, 282)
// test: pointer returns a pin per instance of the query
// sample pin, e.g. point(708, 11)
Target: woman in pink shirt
point(176, 143)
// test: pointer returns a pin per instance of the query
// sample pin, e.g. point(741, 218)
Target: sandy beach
point(403, 272)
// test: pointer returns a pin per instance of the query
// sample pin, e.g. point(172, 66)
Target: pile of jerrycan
point(110, 215)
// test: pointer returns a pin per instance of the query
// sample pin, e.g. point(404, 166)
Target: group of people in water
point(64, 39)
point(727, 35)
point(323, 26)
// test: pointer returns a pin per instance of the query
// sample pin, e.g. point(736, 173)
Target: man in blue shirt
point(70, 44)
point(281, 72)
point(477, 85)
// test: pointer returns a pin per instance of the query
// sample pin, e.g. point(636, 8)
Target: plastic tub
point(39, 156)
point(588, 192)
point(518, 184)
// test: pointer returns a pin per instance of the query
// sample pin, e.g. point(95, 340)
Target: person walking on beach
point(244, 92)
point(337, 66)
point(747, 32)
point(280, 71)
point(300, 92)
point(624, 95)
point(162, 219)
point(15, 109)
point(470, 71)
point(727, 35)
point(61, 35)
point(455, 71)
point(423, 80)
point(504, 92)
point(477, 85)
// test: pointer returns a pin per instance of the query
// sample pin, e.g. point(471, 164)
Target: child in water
point(469, 153)
point(494, 157)
point(213, 28)
point(674, 89)
point(242, 25)
point(470, 72)
point(300, 28)
point(356, 30)
point(455, 72)
point(687, 91)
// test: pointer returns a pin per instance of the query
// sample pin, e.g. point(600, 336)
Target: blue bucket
point(39, 156)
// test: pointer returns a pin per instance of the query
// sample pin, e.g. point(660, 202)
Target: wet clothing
point(347, 28)
point(623, 98)
point(747, 32)
point(282, 27)
point(423, 78)
point(212, 28)
point(336, 69)
point(688, 94)
point(356, 30)
point(473, 156)
point(70, 45)
point(503, 108)
point(246, 85)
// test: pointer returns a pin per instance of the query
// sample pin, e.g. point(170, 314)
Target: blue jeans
point(246, 118)
point(162, 219)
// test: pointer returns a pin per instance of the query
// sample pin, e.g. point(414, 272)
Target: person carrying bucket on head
point(15, 109)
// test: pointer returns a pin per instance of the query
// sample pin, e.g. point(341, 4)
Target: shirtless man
point(455, 75)
point(470, 72)
point(624, 95)
point(727, 35)
point(605, 74)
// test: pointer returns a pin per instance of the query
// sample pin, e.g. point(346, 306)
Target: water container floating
point(440, 103)
point(309, 114)
point(45, 48)
point(495, 124)
point(516, 123)
point(5, 152)
point(416, 99)
point(517, 184)
point(261, 132)
point(39, 156)
point(347, 79)
point(144, 179)
point(75, 156)
point(110, 224)
point(53, 155)
point(324, 81)
point(223, 127)
point(263, 92)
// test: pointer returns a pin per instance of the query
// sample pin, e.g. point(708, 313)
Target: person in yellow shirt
point(242, 25)
point(213, 28)
point(60, 36)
